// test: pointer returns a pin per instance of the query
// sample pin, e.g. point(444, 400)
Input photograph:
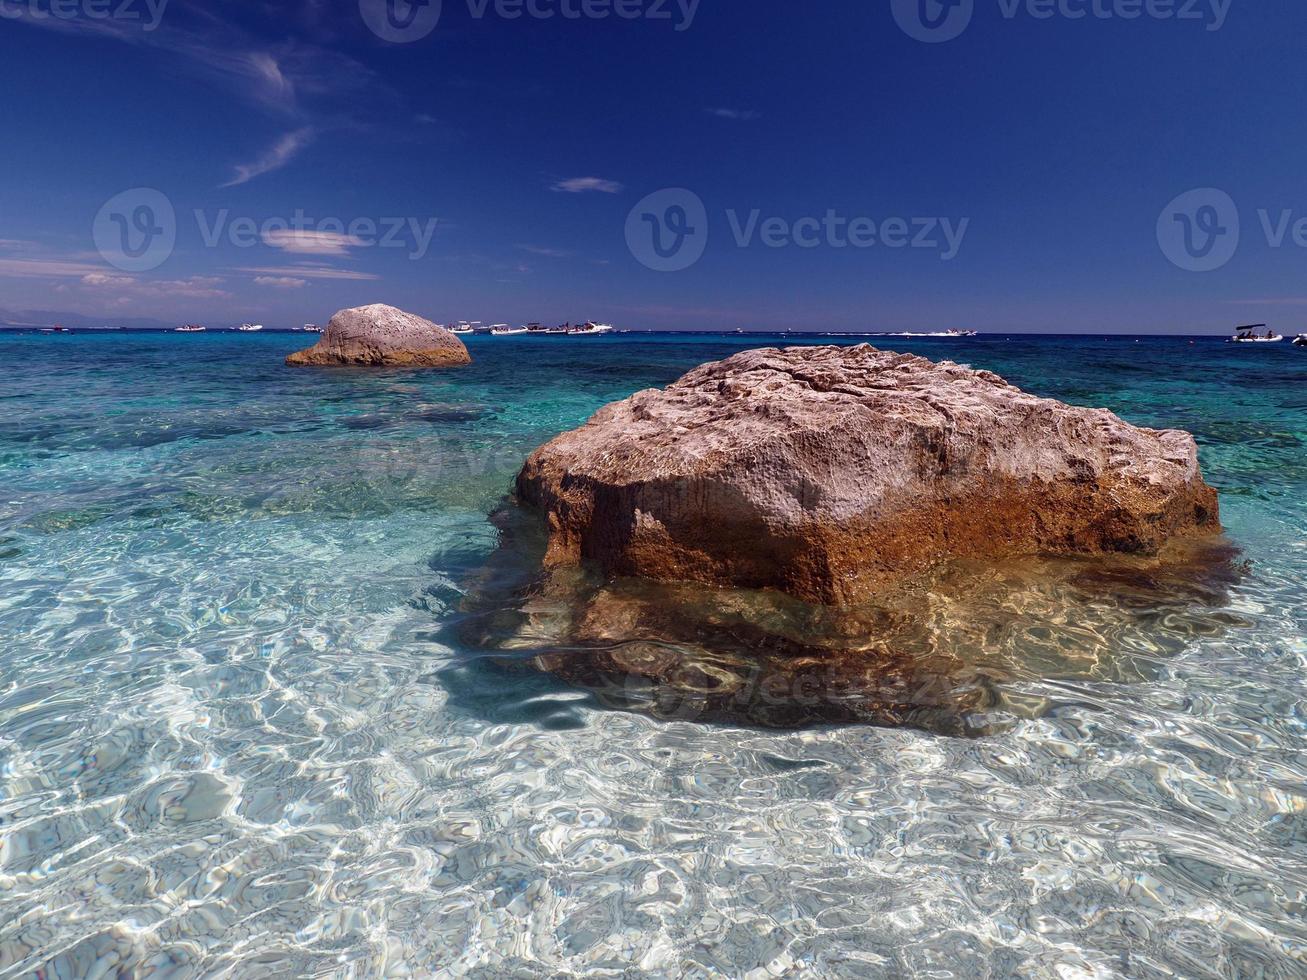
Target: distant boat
point(590, 329)
point(1249, 335)
point(463, 327)
point(191, 328)
point(250, 327)
point(310, 328)
point(948, 334)
point(504, 330)
point(1300, 340)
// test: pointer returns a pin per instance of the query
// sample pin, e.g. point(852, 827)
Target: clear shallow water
point(243, 731)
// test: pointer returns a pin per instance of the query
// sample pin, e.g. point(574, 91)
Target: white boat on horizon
point(943, 334)
point(1300, 340)
point(504, 330)
point(191, 328)
point(249, 328)
point(464, 327)
point(589, 328)
point(1249, 335)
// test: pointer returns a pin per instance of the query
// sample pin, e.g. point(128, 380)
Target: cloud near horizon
point(50, 269)
point(193, 287)
point(101, 279)
point(307, 271)
point(1269, 301)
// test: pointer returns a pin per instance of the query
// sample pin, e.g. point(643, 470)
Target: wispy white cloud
point(1269, 301)
point(49, 269)
point(290, 75)
point(307, 242)
point(130, 287)
point(307, 271)
point(739, 115)
point(15, 245)
point(580, 185)
point(103, 281)
point(549, 253)
point(276, 157)
point(280, 282)
point(295, 81)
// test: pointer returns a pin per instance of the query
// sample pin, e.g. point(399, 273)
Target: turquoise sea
point(246, 730)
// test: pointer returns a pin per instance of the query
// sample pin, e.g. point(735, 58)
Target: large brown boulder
point(830, 473)
point(382, 336)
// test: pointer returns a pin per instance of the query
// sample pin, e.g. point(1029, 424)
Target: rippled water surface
point(261, 714)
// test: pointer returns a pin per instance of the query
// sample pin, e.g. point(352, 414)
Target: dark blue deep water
point(239, 734)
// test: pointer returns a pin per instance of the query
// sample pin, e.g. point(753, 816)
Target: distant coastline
point(688, 332)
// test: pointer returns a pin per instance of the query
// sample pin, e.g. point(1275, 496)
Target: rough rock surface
point(830, 473)
point(382, 336)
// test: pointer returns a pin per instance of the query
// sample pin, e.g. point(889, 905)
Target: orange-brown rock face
point(829, 473)
point(382, 336)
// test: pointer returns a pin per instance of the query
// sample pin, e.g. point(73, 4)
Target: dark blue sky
point(1051, 146)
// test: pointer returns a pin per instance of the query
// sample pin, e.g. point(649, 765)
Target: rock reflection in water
point(951, 652)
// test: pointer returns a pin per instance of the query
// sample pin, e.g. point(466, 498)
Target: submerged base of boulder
point(831, 473)
point(956, 651)
point(382, 336)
